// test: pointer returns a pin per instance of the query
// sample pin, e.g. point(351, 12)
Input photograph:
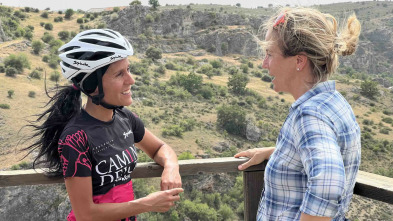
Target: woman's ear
point(301, 61)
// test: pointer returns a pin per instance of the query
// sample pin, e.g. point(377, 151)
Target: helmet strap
point(97, 99)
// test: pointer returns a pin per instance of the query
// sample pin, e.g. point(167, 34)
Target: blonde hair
point(306, 30)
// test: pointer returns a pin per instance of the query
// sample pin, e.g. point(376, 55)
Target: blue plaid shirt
point(317, 156)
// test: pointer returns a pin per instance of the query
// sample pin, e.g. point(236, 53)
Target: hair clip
point(280, 20)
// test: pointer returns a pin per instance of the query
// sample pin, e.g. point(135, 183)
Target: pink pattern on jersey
point(78, 139)
point(118, 194)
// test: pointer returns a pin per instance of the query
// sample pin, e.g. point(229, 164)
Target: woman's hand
point(256, 155)
point(170, 178)
point(161, 201)
point(164, 155)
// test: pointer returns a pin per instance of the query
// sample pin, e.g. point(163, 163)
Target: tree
point(116, 9)
point(237, 83)
point(154, 53)
point(136, 2)
point(154, 4)
point(238, 5)
point(37, 46)
point(64, 35)
point(232, 119)
point(10, 72)
point(47, 37)
point(44, 14)
point(69, 13)
point(48, 26)
point(369, 89)
point(191, 82)
point(19, 62)
point(10, 93)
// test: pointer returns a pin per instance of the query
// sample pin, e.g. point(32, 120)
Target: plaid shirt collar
point(317, 89)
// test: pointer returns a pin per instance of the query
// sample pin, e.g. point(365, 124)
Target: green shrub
point(79, 20)
point(244, 68)
point(55, 76)
point(170, 66)
point(139, 68)
point(388, 120)
point(266, 78)
point(69, 13)
point(45, 58)
point(237, 83)
point(154, 53)
point(172, 130)
point(47, 37)
point(206, 92)
point(48, 26)
point(136, 2)
point(4, 106)
point(32, 94)
point(232, 119)
point(42, 24)
point(148, 102)
point(2, 68)
point(101, 26)
point(64, 35)
point(206, 69)
point(53, 61)
point(185, 156)
point(58, 19)
point(216, 63)
point(387, 112)
point(369, 89)
point(11, 93)
point(161, 69)
point(250, 64)
point(10, 72)
point(35, 74)
point(19, 62)
point(384, 130)
point(45, 14)
point(149, 18)
point(37, 46)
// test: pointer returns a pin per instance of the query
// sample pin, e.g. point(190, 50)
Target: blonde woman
point(311, 172)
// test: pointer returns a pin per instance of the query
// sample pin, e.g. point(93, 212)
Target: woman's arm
point(256, 155)
point(164, 155)
point(80, 192)
point(306, 217)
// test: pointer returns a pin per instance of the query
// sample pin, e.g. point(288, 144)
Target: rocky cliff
point(184, 29)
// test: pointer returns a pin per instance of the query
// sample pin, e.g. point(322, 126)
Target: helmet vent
point(103, 43)
point(112, 32)
point(97, 33)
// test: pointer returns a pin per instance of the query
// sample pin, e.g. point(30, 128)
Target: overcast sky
point(87, 4)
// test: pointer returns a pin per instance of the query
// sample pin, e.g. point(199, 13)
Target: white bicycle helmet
point(87, 56)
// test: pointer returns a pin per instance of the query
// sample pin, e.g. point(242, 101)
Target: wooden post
point(253, 185)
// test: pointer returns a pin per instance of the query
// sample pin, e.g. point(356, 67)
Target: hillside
point(207, 45)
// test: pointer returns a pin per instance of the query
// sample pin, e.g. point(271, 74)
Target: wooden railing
point(367, 184)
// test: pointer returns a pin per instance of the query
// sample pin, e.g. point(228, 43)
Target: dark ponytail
point(64, 105)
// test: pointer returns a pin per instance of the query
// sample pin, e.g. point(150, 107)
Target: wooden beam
point(142, 170)
point(374, 186)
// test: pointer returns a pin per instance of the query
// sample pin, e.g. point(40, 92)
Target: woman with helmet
point(93, 146)
point(312, 170)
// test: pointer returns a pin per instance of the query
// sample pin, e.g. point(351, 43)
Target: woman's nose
point(130, 79)
point(265, 63)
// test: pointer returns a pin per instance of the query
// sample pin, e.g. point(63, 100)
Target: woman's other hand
point(161, 201)
point(256, 155)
